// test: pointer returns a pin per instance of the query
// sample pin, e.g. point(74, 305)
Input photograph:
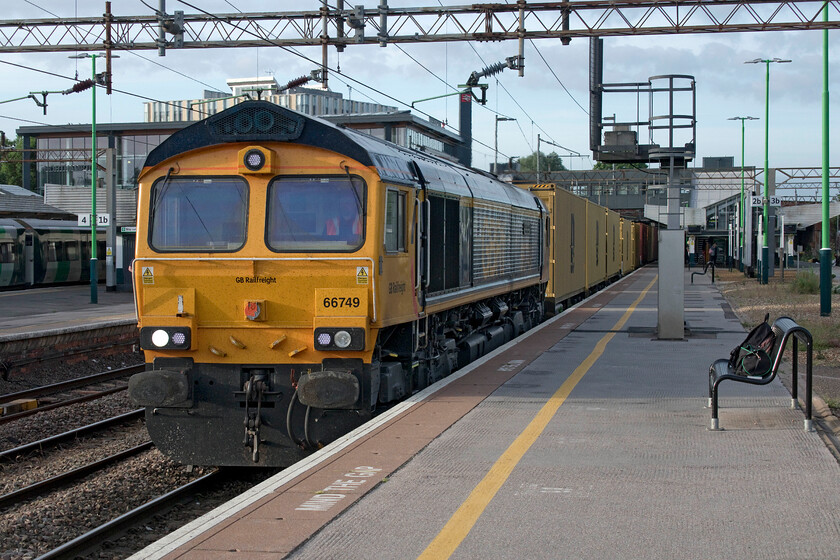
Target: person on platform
point(713, 249)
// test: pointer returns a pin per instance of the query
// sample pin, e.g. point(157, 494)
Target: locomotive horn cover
point(328, 389)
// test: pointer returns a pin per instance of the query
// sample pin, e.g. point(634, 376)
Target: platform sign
point(758, 201)
point(101, 219)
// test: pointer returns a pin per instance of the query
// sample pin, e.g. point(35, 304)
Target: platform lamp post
point(825, 250)
point(765, 248)
point(496, 156)
point(741, 207)
point(94, 279)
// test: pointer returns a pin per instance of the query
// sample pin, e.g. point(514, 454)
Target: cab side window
point(395, 221)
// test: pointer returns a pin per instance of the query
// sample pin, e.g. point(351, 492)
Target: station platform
point(585, 438)
point(43, 325)
point(39, 310)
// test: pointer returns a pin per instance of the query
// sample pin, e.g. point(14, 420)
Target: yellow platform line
point(463, 520)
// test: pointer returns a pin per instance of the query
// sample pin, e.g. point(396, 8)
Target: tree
point(11, 168)
point(550, 162)
point(608, 166)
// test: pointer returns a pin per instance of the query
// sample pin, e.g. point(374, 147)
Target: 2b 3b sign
point(759, 201)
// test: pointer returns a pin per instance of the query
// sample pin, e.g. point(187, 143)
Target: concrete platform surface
point(587, 439)
point(58, 308)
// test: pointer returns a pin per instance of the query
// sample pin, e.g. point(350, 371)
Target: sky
point(550, 100)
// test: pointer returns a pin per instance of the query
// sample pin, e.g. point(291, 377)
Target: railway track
point(55, 482)
point(91, 484)
point(64, 393)
point(94, 539)
point(69, 435)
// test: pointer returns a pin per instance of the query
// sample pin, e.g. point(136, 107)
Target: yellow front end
point(259, 348)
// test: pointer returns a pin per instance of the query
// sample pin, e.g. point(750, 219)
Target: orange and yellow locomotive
point(293, 276)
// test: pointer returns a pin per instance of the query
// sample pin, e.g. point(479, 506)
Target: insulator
point(296, 82)
point(79, 86)
point(493, 69)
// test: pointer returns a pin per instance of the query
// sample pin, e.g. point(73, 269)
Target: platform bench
point(784, 328)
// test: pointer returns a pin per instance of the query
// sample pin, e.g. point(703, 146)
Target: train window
point(71, 249)
point(55, 251)
point(316, 214)
point(394, 221)
point(198, 214)
point(7, 253)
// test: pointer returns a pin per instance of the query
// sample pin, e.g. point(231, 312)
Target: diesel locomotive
point(293, 276)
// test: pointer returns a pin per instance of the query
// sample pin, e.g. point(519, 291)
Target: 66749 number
point(337, 302)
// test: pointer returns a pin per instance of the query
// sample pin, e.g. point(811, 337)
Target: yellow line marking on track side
point(463, 520)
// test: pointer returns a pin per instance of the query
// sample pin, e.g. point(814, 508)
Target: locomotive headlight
point(160, 338)
point(343, 339)
point(165, 338)
point(339, 338)
point(254, 160)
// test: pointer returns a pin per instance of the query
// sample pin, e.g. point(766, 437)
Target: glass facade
point(131, 154)
point(66, 160)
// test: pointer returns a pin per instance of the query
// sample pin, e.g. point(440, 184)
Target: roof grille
point(256, 123)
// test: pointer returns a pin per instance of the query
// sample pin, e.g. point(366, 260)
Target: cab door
point(29, 258)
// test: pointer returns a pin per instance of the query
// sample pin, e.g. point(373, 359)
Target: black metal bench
point(785, 328)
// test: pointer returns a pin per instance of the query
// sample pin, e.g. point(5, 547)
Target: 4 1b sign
point(101, 219)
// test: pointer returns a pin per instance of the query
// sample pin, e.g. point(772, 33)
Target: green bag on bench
point(752, 357)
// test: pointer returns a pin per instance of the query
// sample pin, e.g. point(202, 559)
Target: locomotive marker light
point(340, 338)
point(160, 338)
point(343, 339)
point(254, 160)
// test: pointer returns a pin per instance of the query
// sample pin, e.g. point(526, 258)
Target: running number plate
point(341, 302)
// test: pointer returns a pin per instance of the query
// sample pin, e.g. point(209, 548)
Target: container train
point(292, 276)
point(35, 252)
point(590, 246)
